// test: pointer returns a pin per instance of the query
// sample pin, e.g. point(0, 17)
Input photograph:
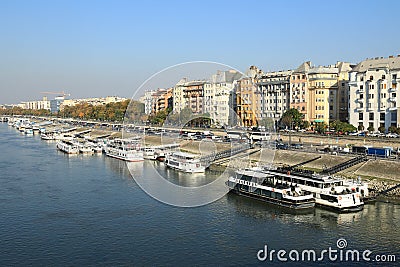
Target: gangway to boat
point(304, 162)
point(208, 159)
point(82, 132)
point(344, 165)
point(384, 192)
point(68, 130)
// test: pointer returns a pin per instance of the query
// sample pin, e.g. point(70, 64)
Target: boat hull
point(270, 200)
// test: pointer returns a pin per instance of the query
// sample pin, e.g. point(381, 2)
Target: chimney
point(390, 56)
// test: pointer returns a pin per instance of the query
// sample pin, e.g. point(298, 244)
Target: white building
point(219, 96)
point(374, 97)
point(148, 101)
point(273, 89)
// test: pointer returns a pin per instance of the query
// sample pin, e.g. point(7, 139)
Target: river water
point(87, 210)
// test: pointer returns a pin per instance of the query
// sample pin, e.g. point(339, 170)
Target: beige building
point(374, 93)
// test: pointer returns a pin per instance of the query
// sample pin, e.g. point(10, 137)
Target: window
point(330, 107)
point(382, 116)
point(361, 87)
point(371, 78)
point(360, 116)
point(394, 76)
point(383, 77)
point(371, 116)
point(393, 116)
point(361, 78)
point(361, 96)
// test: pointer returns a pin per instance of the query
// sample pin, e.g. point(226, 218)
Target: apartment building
point(273, 89)
point(374, 97)
point(298, 96)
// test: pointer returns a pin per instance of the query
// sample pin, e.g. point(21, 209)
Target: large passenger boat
point(68, 147)
point(184, 162)
point(269, 188)
point(329, 192)
point(125, 149)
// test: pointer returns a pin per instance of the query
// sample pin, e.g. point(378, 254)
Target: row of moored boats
point(292, 189)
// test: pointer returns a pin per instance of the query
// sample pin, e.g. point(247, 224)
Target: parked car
point(297, 146)
point(281, 146)
point(392, 135)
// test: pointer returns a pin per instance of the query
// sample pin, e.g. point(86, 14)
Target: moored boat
point(185, 162)
point(270, 189)
point(68, 147)
point(125, 149)
point(329, 192)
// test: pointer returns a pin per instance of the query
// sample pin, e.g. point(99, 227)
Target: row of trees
point(293, 119)
point(25, 112)
point(185, 117)
point(109, 112)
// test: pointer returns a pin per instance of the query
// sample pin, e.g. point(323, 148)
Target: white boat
point(329, 192)
point(185, 162)
point(48, 136)
point(97, 149)
point(68, 147)
point(159, 152)
point(28, 131)
point(149, 153)
point(85, 148)
point(125, 149)
point(270, 189)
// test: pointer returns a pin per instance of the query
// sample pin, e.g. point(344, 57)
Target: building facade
point(298, 96)
point(273, 89)
point(374, 97)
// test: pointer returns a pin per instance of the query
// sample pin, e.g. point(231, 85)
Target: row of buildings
point(363, 94)
point(59, 102)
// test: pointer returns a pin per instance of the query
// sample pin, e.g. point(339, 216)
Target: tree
point(340, 126)
point(392, 129)
point(371, 129)
point(382, 129)
point(292, 117)
point(320, 127)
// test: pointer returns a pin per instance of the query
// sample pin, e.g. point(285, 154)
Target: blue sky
point(100, 48)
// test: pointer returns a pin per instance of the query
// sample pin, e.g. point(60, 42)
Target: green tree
point(382, 129)
point(320, 127)
point(392, 129)
point(371, 129)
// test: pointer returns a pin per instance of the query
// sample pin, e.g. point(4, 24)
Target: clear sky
point(100, 48)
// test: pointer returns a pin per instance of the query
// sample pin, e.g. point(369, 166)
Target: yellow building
point(322, 94)
point(246, 101)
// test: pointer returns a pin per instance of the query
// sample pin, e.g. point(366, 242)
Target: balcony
point(359, 109)
point(392, 99)
point(359, 100)
point(392, 90)
point(394, 81)
point(392, 108)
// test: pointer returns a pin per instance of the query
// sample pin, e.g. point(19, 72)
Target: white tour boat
point(329, 192)
point(125, 149)
point(68, 147)
point(184, 162)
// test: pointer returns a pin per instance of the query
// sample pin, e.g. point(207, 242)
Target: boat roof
point(184, 154)
point(253, 173)
point(315, 178)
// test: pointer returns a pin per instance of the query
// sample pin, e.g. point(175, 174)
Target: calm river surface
point(87, 210)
